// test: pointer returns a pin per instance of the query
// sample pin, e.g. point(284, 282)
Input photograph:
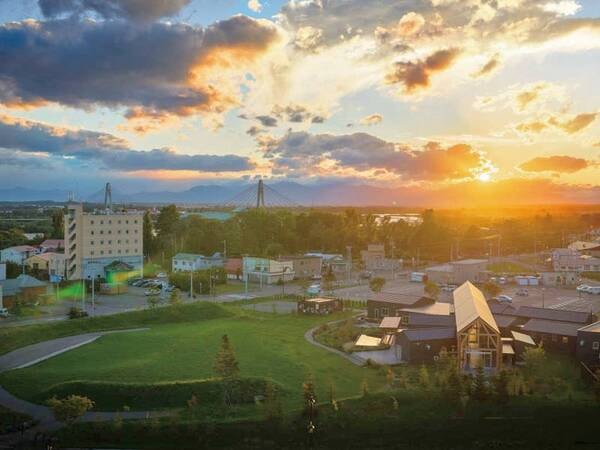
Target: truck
point(418, 277)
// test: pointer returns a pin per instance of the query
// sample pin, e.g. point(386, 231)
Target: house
point(319, 305)
point(305, 267)
point(514, 346)
point(569, 260)
point(458, 272)
point(588, 248)
point(334, 262)
point(267, 271)
point(189, 262)
point(478, 335)
point(17, 254)
point(24, 288)
point(53, 245)
point(560, 278)
point(373, 258)
point(588, 346)
point(233, 268)
point(49, 263)
point(424, 345)
point(552, 335)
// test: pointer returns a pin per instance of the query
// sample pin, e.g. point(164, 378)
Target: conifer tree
point(226, 365)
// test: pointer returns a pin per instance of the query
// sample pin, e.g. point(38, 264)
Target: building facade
point(189, 262)
point(17, 254)
point(267, 271)
point(96, 239)
point(458, 272)
point(306, 267)
point(50, 263)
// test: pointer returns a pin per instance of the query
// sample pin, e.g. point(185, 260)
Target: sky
point(420, 94)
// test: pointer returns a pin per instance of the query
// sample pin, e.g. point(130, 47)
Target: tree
point(58, 224)
point(174, 298)
point(226, 366)
point(376, 284)
point(310, 398)
point(424, 379)
point(70, 408)
point(148, 234)
point(152, 301)
point(491, 289)
point(13, 270)
point(479, 389)
point(273, 407)
point(454, 389)
point(328, 280)
point(432, 289)
point(501, 387)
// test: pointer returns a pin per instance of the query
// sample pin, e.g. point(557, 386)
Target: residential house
point(234, 268)
point(554, 336)
point(189, 262)
point(267, 271)
point(53, 245)
point(25, 288)
point(17, 254)
point(49, 263)
point(569, 260)
point(306, 267)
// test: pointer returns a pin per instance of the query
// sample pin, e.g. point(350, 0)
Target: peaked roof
point(430, 334)
point(552, 327)
point(13, 286)
point(469, 305)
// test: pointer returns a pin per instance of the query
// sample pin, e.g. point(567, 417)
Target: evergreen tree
point(148, 234)
point(424, 379)
point(479, 389)
point(454, 389)
point(310, 398)
point(273, 408)
point(501, 387)
point(226, 365)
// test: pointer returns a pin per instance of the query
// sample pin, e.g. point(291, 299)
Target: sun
point(484, 177)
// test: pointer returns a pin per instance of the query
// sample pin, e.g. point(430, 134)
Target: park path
point(35, 353)
point(357, 360)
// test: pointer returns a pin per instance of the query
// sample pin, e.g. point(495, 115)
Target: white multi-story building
point(96, 239)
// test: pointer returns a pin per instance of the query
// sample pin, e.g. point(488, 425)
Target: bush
point(200, 280)
point(76, 313)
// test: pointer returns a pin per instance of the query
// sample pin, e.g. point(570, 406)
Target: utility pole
point(191, 284)
point(82, 294)
point(225, 248)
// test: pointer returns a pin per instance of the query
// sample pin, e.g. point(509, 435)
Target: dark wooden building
point(423, 345)
point(588, 346)
point(554, 336)
point(319, 305)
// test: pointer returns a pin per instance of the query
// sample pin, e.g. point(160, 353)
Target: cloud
point(562, 7)
point(143, 10)
point(361, 153)
point(489, 67)
point(372, 119)
point(557, 164)
point(23, 136)
point(255, 5)
point(156, 72)
point(531, 127)
point(575, 124)
point(308, 38)
point(267, 121)
point(416, 74)
point(524, 98)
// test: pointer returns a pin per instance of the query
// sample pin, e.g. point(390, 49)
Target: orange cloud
point(488, 67)
point(531, 127)
point(577, 123)
point(558, 164)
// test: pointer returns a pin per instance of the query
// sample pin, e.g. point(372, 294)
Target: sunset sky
point(426, 94)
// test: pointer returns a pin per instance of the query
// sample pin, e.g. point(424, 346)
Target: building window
point(554, 338)
point(109, 242)
point(92, 232)
point(135, 221)
point(119, 251)
point(127, 251)
point(102, 222)
point(119, 241)
point(596, 345)
point(127, 221)
point(110, 252)
point(110, 222)
point(404, 320)
point(376, 313)
point(91, 242)
point(384, 312)
point(119, 222)
point(565, 340)
point(135, 231)
point(126, 231)
point(101, 242)
point(101, 231)
point(91, 222)
point(102, 252)
point(92, 253)
point(109, 231)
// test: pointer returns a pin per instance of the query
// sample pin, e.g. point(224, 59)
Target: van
point(314, 289)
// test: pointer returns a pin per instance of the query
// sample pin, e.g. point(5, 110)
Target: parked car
point(449, 287)
point(583, 288)
point(152, 291)
point(161, 275)
point(3, 312)
point(594, 290)
point(523, 292)
point(366, 275)
point(314, 289)
point(132, 281)
point(503, 298)
point(502, 280)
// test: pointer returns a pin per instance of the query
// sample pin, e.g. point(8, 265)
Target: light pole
point(191, 284)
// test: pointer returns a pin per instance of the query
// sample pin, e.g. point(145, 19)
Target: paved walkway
point(350, 357)
point(33, 354)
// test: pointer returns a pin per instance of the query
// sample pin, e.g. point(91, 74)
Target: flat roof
point(390, 322)
point(430, 334)
point(470, 261)
point(522, 337)
point(319, 300)
point(435, 309)
point(367, 341)
point(440, 268)
point(469, 305)
point(508, 349)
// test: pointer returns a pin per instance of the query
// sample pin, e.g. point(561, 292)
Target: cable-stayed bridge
point(260, 196)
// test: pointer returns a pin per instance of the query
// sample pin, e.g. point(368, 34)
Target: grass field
point(266, 345)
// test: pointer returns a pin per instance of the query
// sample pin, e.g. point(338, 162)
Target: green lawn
point(266, 346)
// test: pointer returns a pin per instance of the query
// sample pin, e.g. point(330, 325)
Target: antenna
point(108, 197)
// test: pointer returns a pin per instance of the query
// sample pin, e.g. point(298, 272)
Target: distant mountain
point(21, 194)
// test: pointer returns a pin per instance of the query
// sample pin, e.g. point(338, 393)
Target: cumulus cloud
point(557, 164)
point(27, 137)
point(158, 71)
point(298, 152)
point(144, 10)
point(416, 74)
point(372, 119)
point(531, 127)
point(255, 5)
point(524, 98)
point(308, 38)
point(489, 67)
point(562, 7)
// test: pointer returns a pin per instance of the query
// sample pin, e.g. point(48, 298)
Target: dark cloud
point(33, 137)
point(558, 164)
point(154, 71)
point(267, 121)
point(143, 10)
point(297, 114)
point(416, 74)
point(299, 151)
point(254, 131)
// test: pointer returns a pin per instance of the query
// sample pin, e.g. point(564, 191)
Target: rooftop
point(390, 322)
point(469, 261)
point(592, 328)
point(522, 337)
point(430, 334)
point(434, 309)
point(552, 327)
point(469, 305)
point(441, 268)
point(561, 315)
point(367, 341)
point(401, 299)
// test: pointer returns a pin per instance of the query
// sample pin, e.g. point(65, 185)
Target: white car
point(583, 288)
point(3, 312)
point(594, 290)
point(314, 289)
point(503, 298)
point(449, 288)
